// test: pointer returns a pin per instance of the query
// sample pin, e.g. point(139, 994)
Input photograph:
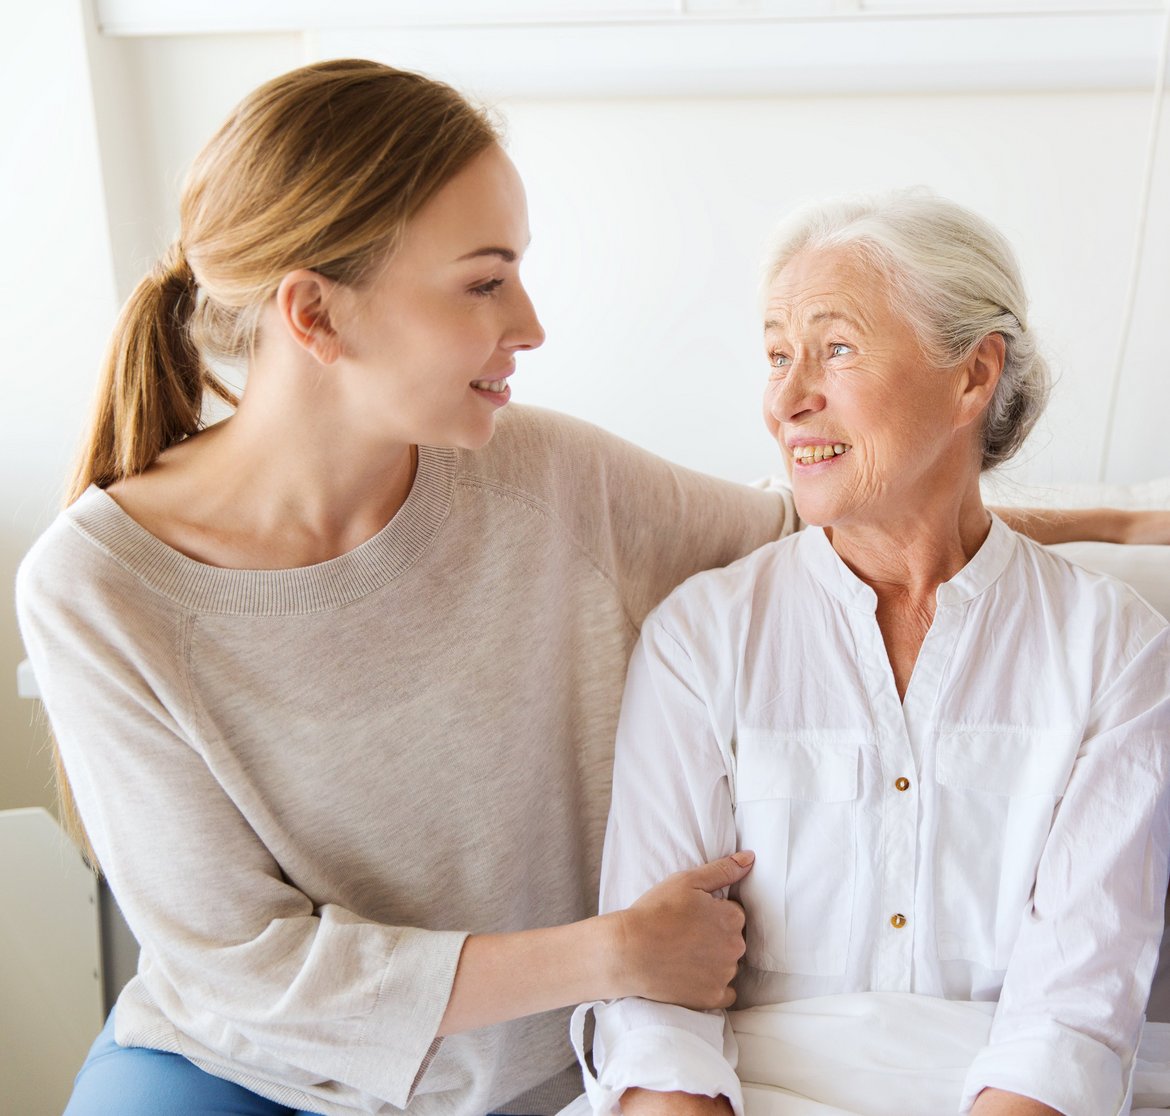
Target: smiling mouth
point(813, 455)
point(497, 386)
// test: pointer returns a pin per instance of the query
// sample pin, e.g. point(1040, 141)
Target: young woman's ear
point(302, 301)
point(979, 378)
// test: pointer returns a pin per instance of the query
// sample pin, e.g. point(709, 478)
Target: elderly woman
point(947, 747)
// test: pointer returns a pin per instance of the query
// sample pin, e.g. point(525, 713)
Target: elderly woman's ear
point(978, 377)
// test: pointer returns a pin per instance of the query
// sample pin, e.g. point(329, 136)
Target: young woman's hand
point(680, 943)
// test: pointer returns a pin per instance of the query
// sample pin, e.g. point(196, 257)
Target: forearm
point(996, 1102)
point(644, 1102)
point(1115, 525)
point(677, 944)
point(506, 976)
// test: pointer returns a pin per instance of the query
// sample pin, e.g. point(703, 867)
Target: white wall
point(55, 312)
point(649, 216)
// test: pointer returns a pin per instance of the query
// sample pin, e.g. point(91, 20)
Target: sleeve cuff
point(1059, 1067)
point(399, 1040)
point(633, 1051)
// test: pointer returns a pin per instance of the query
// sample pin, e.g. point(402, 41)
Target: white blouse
point(1001, 834)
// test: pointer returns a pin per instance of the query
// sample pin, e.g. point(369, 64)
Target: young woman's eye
point(838, 349)
point(483, 290)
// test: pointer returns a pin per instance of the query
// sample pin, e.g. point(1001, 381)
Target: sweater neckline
point(348, 577)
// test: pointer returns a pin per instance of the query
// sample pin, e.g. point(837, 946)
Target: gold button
point(902, 783)
point(898, 921)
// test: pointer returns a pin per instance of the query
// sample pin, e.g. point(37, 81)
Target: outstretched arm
point(1113, 525)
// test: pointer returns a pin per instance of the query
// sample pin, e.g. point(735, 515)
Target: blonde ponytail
point(152, 384)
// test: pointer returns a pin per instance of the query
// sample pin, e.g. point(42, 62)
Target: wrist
point(614, 968)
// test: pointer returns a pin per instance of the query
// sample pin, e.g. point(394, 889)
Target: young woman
point(335, 680)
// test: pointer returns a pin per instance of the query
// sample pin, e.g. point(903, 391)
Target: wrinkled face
point(866, 422)
point(434, 336)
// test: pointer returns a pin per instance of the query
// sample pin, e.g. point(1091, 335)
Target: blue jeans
point(136, 1081)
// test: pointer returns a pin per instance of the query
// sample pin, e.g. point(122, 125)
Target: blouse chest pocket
point(998, 789)
point(796, 797)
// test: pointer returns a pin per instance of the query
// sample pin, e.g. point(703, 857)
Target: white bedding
point(885, 1054)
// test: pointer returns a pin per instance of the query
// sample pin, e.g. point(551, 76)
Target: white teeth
point(810, 455)
point(490, 385)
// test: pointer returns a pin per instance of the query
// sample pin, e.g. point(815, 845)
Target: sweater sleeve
point(671, 810)
point(250, 972)
point(648, 523)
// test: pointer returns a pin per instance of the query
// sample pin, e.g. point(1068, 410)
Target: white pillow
point(1145, 568)
point(1150, 495)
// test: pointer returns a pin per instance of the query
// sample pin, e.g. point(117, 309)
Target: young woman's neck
point(286, 481)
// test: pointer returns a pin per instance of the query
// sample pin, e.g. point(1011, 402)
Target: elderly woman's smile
point(873, 428)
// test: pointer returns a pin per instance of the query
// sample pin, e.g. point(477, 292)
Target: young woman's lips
point(494, 391)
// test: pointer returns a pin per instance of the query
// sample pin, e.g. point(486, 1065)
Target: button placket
point(893, 960)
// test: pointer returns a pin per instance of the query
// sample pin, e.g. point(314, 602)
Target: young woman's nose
point(526, 332)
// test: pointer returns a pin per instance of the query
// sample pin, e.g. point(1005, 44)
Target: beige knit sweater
point(307, 786)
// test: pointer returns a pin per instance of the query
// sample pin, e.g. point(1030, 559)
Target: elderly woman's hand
point(996, 1102)
point(644, 1102)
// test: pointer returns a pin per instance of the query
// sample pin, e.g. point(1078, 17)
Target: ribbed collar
point(980, 573)
point(204, 588)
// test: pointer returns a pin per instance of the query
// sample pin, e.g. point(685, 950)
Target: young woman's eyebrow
point(505, 254)
point(508, 255)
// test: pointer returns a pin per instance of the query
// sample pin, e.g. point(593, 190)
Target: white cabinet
point(50, 963)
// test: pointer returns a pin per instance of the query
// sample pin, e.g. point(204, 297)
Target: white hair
point(951, 275)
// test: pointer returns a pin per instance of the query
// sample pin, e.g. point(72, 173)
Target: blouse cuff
point(1059, 1067)
point(657, 1056)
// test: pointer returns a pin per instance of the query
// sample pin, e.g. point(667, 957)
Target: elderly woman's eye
point(779, 360)
point(839, 350)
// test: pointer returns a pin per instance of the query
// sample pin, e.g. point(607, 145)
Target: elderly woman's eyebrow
point(773, 324)
point(835, 316)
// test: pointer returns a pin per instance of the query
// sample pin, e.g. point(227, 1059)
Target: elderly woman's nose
point(796, 394)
